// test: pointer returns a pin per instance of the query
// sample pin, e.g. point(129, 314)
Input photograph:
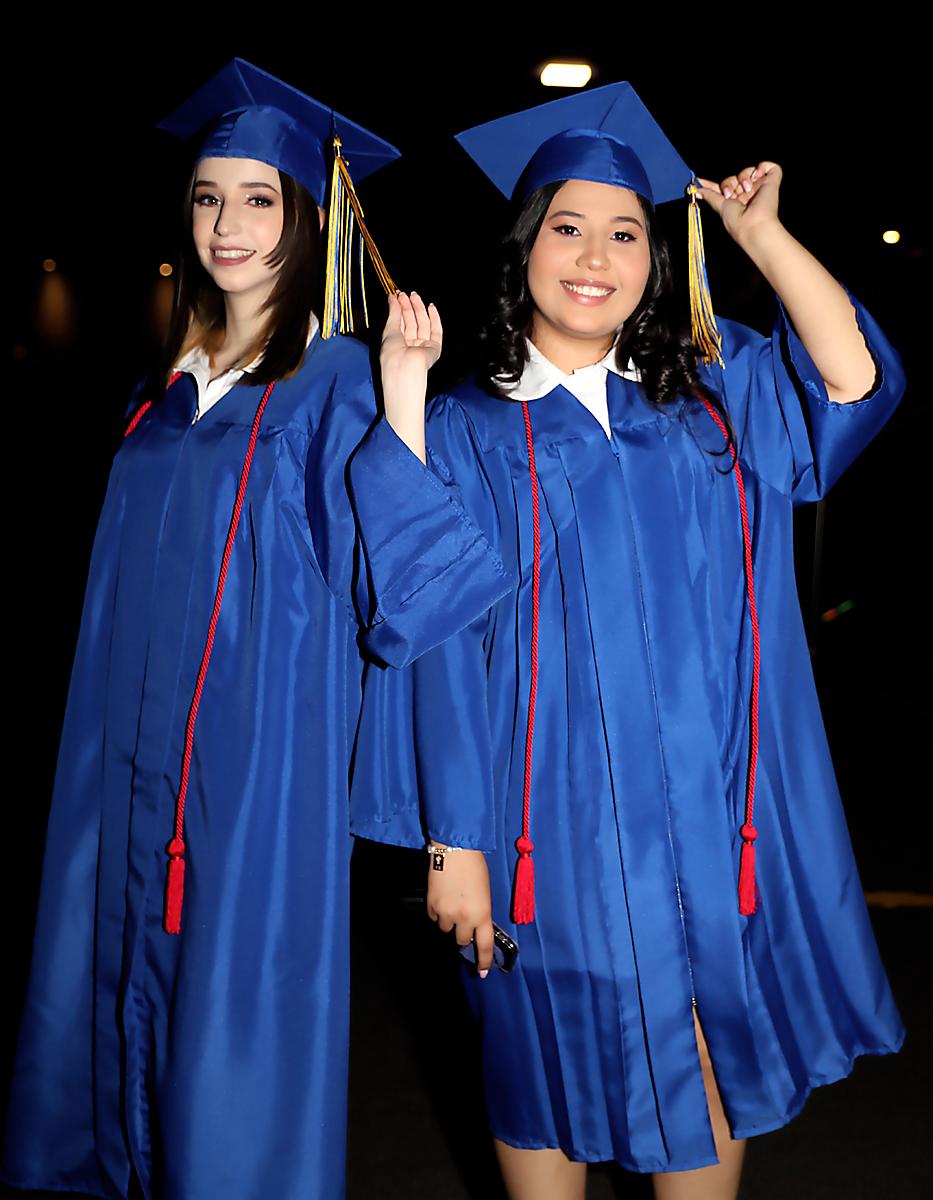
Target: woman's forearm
point(819, 308)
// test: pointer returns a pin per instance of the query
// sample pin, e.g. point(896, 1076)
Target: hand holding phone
point(458, 900)
point(504, 950)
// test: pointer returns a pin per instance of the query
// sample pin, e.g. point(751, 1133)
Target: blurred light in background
point(55, 316)
point(832, 613)
point(891, 236)
point(566, 75)
point(49, 264)
point(160, 309)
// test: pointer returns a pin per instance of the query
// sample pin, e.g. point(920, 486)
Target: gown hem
point(629, 1164)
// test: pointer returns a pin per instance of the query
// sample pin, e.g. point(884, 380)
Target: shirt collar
point(540, 376)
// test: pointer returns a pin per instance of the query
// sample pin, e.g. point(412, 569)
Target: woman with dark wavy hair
point(652, 337)
point(622, 763)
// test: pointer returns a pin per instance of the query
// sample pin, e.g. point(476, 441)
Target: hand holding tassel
point(745, 201)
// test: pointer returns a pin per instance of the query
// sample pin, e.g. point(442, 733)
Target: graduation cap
point(244, 112)
point(605, 135)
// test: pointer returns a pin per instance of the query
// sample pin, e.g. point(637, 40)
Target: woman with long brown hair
point(185, 1029)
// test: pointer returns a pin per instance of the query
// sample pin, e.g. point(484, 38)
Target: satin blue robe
point(640, 755)
point(214, 1062)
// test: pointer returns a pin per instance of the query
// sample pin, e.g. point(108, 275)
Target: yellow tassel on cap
point(706, 336)
point(345, 224)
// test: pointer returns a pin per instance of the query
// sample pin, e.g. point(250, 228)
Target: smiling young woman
point(587, 272)
point(185, 1029)
point(627, 751)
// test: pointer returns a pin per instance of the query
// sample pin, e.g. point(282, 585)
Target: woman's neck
point(244, 326)
point(569, 354)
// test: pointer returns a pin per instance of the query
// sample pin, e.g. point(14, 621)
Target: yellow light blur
point(55, 314)
point(49, 265)
point(566, 75)
point(160, 309)
point(165, 269)
point(891, 236)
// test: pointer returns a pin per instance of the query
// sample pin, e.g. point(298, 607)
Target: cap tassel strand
point(344, 224)
point(706, 335)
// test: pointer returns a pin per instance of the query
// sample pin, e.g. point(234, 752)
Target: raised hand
point(747, 202)
point(411, 345)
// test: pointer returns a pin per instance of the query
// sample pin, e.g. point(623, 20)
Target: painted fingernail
point(755, 173)
point(483, 974)
point(727, 192)
point(747, 185)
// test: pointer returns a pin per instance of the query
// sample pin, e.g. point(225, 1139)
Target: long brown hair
point(198, 314)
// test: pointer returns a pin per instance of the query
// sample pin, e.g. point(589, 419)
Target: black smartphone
point(504, 950)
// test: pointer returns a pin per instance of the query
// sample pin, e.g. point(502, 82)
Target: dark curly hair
point(654, 337)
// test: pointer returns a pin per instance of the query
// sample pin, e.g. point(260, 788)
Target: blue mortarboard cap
point(605, 135)
point(244, 112)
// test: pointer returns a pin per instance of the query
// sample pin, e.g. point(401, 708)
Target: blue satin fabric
point(271, 136)
point(640, 757)
point(215, 1061)
point(586, 154)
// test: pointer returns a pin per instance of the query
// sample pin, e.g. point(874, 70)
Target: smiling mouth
point(587, 291)
point(232, 255)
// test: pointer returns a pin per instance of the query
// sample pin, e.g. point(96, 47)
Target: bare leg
point(540, 1174)
point(719, 1182)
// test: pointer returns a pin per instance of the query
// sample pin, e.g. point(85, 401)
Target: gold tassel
point(706, 336)
point(344, 224)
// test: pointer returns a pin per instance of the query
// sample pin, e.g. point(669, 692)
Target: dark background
point(96, 188)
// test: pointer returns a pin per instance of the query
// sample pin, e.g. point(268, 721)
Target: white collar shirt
point(587, 384)
point(197, 364)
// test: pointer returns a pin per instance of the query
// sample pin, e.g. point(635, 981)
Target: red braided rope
point(748, 831)
point(144, 408)
point(523, 901)
point(174, 892)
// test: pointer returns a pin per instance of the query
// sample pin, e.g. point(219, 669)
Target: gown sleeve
point(430, 567)
point(389, 537)
point(423, 764)
point(789, 432)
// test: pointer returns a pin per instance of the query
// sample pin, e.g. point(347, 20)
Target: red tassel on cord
point(747, 871)
point(523, 894)
point(748, 830)
point(174, 886)
point(175, 878)
point(523, 901)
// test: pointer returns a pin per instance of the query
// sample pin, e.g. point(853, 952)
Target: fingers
point(767, 168)
point(746, 183)
point(464, 933)
point(419, 324)
point(711, 193)
point(484, 938)
point(394, 319)
point(437, 330)
point(422, 320)
point(409, 318)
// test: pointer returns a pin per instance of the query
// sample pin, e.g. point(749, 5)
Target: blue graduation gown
point(640, 755)
point(215, 1061)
